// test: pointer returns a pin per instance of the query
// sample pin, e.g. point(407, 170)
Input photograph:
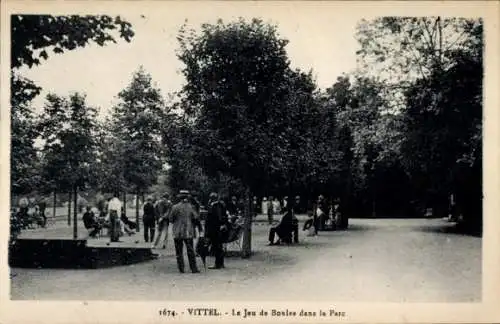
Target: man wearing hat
point(184, 219)
point(214, 226)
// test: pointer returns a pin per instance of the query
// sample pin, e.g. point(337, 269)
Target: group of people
point(184, 216)
point(325, 216)
point(30, 212)
point(111, 216)
point(273, 206)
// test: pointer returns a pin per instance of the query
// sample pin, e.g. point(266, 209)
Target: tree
point(433, 68)
point(400, 50)
point(444, 132)
point(337, 104)
point(236, 96)
point(110, 160)
point(137, 121)
point(24, 172)
point(68, 129)
point(31, 38)
point(368, 141)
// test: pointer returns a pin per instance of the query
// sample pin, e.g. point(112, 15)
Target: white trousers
point(161, 232)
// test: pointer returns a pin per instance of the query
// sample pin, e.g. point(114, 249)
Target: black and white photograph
point(280, 158)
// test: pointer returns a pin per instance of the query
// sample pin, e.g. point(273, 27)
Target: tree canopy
point(32, 36)
point(397, 135)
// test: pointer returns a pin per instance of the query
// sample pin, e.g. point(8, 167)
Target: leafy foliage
point(244, 106)
point(399, 50)
point(443, 128)
point(135, 139)
point(34, 35)
point(24, 176)
point(67, 127)
point(245, 102)
point(434, 65)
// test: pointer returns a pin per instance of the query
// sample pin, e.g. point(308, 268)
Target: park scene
point(250, 171)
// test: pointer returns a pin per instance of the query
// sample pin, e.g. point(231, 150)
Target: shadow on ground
point(359, 228)
point(454, 229)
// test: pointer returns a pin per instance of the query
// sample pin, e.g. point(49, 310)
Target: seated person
point(126, 225)
point(233, 231)
point(90, 222)
point(102, 219)
point(38, 217)
point(32, 217)
point(287, 226)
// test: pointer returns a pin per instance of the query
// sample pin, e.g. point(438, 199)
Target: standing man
point(255, 207)
point(184, 219)
point(321, 212)
point(276, 206)
point(232, 206)
point(101, 206)
point(42, 206)
point(298, 208)
point(114, 209)
point(149, 220)
point(263, 207)
point(163, 209)
point(215, 224)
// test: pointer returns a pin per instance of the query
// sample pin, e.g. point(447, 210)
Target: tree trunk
point(374, 200)
point(54, 207)
point(124, 203)
point(75, 213)
point(374, 213)
point(440, 30)
point(345, 204)
point(246, 250)
point(137, 229)
point(70, 196)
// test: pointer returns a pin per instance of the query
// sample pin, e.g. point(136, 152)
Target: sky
point(319, 41)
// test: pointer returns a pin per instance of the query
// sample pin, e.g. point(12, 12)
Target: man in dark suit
point(149, 220)
point(215, 226)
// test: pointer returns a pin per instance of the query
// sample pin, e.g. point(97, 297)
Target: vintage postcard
point(288, 161)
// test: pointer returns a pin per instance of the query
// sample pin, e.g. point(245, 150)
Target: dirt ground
point(376, 260)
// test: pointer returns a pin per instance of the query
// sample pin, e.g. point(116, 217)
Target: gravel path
point(385, 260)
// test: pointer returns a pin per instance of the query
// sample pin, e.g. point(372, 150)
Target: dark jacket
point(149, 213)
point(42, 205)
point(216, 217)
point(286, 224)
point(232, 208)
point(89, 219)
